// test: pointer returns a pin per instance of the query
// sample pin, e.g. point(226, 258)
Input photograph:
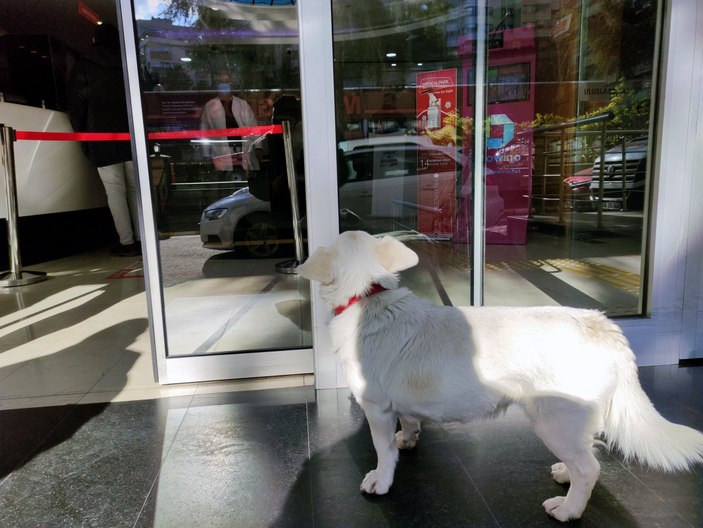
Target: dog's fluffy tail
point(640, 432)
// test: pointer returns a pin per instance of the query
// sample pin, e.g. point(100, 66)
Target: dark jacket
point(97, 103)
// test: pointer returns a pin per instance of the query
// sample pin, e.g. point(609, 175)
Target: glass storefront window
point(565, 100)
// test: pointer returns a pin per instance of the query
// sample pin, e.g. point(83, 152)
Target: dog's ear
point(318, 266)
point(394, 255)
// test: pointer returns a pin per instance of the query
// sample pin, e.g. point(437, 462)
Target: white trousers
point(121, 189)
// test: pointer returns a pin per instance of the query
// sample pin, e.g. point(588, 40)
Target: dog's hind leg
point(382, 423)
point(566, 425)
point(409, 434)
point(560, 473)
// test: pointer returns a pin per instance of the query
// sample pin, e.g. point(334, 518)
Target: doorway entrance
point(210, 86)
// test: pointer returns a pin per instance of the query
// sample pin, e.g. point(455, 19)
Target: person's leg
point(113, 178)
point(132, 198)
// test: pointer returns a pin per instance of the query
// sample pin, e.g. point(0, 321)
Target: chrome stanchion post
point(289, 266)
point(15, 276)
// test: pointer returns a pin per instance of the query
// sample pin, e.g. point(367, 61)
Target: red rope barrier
point(124, 136)
point(72, 136)
point(244, 131)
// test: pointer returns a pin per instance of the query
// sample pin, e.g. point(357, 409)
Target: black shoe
point(127, 250)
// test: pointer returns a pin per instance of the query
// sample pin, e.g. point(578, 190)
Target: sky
point(146, 9)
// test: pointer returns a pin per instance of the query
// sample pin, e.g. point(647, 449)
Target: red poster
point(436, 162)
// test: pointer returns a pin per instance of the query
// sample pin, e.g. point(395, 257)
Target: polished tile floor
point(294, 457)
point(82, 335)
point(87, 438)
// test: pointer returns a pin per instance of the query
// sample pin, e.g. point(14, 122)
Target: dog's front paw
point(558, 508)
point(375, 482)
point(406, 443)
point(560, 473)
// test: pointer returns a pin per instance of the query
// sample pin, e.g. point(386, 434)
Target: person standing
point(97, 103)
point(229, 111)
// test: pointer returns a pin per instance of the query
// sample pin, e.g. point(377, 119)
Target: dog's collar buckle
point(373, 290)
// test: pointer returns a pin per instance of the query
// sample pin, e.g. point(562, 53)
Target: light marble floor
point(82, 336)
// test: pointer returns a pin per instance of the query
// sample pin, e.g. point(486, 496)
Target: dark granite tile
point(669, 385)
point(430, 487)
point(270, 397)
point(23, 431)
point(234, 465)
point(619, 494)
point(509, 465)
point(682, 491)
point(295, 458)
point(95, 469)
point(511, 468)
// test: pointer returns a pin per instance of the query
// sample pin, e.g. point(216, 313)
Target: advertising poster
point(436, 162)
point(508, 152)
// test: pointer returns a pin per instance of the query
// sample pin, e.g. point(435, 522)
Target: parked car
point(615, 196)
point(379, 194)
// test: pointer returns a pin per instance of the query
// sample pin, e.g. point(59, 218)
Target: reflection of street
point(569, 263)
point(188, 199)
point(240, 304)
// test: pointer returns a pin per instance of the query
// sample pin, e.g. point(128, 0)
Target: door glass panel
point(565, 91)
point(405, 147)
point(215, 77)
point(566, 85)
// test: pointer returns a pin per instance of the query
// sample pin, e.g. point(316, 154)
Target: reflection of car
point(634, 169)
point(381, 192)
point(385, 190)
point(240, 219)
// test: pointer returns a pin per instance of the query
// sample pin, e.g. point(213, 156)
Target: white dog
point(571, 370)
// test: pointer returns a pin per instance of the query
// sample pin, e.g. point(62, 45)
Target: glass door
point(508, 141)
point(224, 213)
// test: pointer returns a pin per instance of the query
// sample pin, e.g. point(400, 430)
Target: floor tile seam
point(468, 475)
point(53, 394)
point(45, 316)
point(2, 378)
point(698, 411)
point(664, 503)
point(678, 403)
point(164, 457)
point(29, 313)
point(309, 461)
point(103, 376)
point(146, 497)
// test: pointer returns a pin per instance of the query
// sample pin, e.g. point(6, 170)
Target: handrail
point(576, 122)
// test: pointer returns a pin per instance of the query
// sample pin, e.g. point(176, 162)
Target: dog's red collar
point(373, 289)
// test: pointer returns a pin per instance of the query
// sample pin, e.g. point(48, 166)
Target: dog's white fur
point(571, 370)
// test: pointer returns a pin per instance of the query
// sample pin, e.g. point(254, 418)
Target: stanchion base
point(9, 279)
point(288, 266)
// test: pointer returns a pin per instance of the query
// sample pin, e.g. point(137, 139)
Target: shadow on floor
point(25, 433)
